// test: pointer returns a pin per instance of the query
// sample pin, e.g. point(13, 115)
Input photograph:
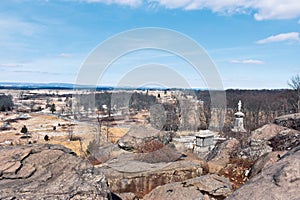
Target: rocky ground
point(210, 186)
point(48, 172)
point(143, 163)
point(280, 180)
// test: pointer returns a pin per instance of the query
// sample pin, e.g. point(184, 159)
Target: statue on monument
point(239, 119)
point(239, 105)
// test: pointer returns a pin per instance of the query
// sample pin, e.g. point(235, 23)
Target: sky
point(254, 44)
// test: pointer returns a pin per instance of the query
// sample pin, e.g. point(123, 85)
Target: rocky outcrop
point(190, 115)
point(125, 174)
point(279, 181)
point(48, 172)
point(291, 121)
point(138, 135)
point(266, 132)
point(265, 161)
point(270, 137)
point(255, 150)
point(285, 140)
point(223, 150)
point(219, 157)
point(98, 155)
point(164, 154)
point(209, 186)
point(217, 119)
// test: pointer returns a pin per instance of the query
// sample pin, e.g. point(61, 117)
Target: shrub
point(149, 146)
point(6, 103)
point(46, 138)
point(24, 129)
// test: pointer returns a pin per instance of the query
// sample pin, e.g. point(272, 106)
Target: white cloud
point(262, 9)
point(283, 37)
point(247, 61)
point(276, 9)
point(131, 3)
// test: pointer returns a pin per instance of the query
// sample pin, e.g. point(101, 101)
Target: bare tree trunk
point(298, 101)
point(99, 131)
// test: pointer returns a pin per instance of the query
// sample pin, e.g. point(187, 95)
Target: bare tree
point(294, 83)
point(99, 120)
point(70, 133)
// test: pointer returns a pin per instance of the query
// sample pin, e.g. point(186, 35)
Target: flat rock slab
point(126, 163)
point(48, 172)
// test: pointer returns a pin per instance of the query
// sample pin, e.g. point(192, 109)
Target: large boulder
point(285, 140)
point(266, 132)
point(223, 150)
point(219, 157)
point(48, 172)
point(266, 161)
point(209, 186)
point(268, 138)
point(190, 114)
point(139, 135)
point(101, 154)
point(279, 181)
point(255, 149)
point(164, 154)
point(291, 121)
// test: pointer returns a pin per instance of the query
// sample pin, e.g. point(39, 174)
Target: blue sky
point(254, 44)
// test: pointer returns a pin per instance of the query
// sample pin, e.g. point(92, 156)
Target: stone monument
point(239, 119)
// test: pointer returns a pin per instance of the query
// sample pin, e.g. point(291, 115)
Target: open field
point(39, 125)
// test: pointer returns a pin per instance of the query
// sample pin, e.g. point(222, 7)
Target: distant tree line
point(6, 103)
point(136, 101)
point(42, 96)
point(259, 106)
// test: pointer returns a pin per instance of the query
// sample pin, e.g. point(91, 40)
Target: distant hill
point(67, 86)
point(24, 86)
point(54, 86)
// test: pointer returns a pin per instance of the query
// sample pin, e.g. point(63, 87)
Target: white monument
point(239, 119)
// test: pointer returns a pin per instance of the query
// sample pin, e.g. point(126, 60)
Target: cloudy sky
point(253, 43)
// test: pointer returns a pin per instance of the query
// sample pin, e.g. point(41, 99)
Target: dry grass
point(73, 145)
point(40, 125)
point(236, 171)
point(115, 133)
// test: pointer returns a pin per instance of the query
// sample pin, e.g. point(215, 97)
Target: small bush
point(46, 138)
point(24, 129)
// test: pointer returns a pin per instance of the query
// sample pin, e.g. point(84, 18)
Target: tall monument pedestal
point(239, 120)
